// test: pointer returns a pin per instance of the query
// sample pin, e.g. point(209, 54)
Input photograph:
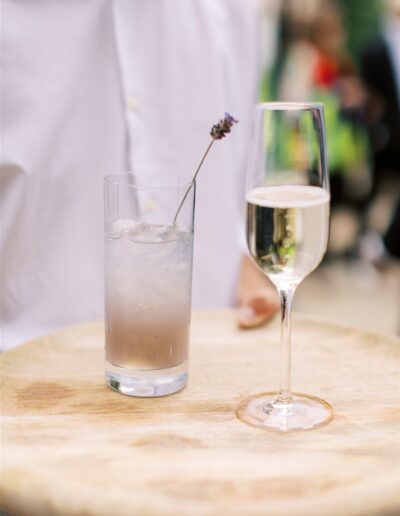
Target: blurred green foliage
point(362, 22)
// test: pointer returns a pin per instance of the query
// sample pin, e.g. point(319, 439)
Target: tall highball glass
point(287, 233)
point(148, 278)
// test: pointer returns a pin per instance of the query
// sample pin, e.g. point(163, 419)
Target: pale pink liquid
point(148, 292)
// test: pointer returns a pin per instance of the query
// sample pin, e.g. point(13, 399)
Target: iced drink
point(148, 277)
point(148, 288)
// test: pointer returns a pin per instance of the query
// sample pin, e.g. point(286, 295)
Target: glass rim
point(290, 106)
point(117, 180)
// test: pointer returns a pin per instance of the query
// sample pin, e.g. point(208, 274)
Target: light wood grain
point(71, 446)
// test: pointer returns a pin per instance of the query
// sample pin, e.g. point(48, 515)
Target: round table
point(71, 446)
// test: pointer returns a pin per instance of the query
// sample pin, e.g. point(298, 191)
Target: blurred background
point(98, 87)
point(346, 54)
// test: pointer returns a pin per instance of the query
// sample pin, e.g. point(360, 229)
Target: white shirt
point(98, 87)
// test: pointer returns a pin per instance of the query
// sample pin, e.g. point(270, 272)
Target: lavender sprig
point(218, 131)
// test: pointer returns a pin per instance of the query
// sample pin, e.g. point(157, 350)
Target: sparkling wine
point(287, 230)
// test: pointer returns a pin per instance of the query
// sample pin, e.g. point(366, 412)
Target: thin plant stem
point(286, 297)
point(193, 181)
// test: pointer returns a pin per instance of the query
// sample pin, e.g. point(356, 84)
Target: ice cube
point(158, 229)
point(143, 233)
point(169, 233)
point(121, 226)
point(153, 233)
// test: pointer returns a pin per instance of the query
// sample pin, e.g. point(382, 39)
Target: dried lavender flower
point(218, 131)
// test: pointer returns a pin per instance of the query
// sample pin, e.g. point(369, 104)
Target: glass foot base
point(146, 384)
point(303, 412)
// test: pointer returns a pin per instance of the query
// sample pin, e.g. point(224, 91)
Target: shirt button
point(132, 103)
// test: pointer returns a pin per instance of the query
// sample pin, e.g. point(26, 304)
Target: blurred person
point(313, 63)
point(100, 87)
point(380, 72)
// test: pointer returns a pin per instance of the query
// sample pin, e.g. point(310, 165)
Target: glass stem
point(286, 298)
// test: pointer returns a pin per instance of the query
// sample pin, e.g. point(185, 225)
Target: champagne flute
point(287, 232)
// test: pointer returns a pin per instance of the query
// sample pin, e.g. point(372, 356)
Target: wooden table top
point(71, 446)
